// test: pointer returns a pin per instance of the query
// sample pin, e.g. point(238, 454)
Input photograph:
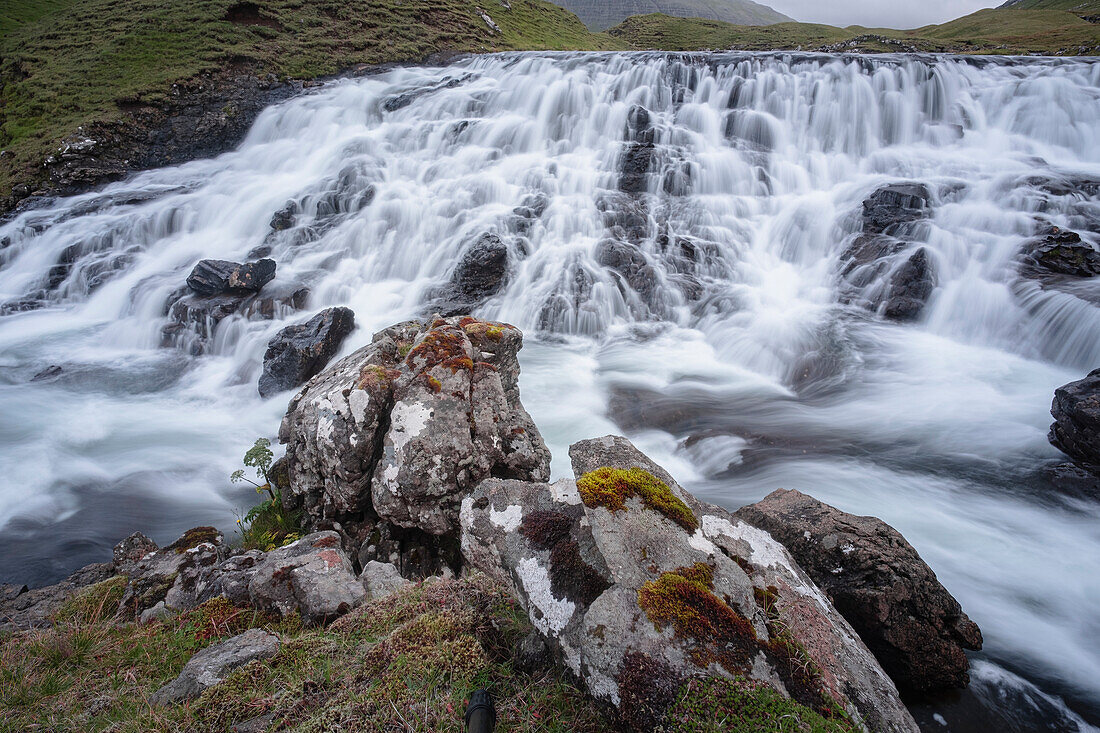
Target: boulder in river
point(194, 318)
point(879, 583)
point(481, 272)
point(402, 429)
point(895, 204)
point(910, 287)
point(1060, 252)
point(1076, 427)
point(302, 350)
point(215, 277)
point(636, 586)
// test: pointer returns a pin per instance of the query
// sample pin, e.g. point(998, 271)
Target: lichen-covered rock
point(381, 579)
point(132, 550)
point(405, 427)
point(210, 666)
point(177, 574)
point(915, 628)
point(312, 576)
point(301, 350)
point(623, 573)
point(1076, 427)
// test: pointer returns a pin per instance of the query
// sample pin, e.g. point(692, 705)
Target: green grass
point(1010, 31)
point(66, 64)
point(1080, 7)
point(413, 657)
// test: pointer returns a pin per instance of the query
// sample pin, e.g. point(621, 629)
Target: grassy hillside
point(1080, 7)
point(65, 63)
point(997, 31)
point(599, 15)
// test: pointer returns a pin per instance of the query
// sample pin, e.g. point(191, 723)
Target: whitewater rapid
point(741, 370)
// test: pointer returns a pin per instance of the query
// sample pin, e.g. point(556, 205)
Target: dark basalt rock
point(1076, 428)
point(194, 318)
point(879, 583)
point(480, 274)
point(629, 261)
point(217, 277)
point(1060, 252)
point(47, 374)
point(910, 287)
point(634, 166)
point(283, 219)
point(898, 203)
point(300, 351)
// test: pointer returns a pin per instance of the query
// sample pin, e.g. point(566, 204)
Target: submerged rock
point(211, 665)
point(1076, 427)
point(910, 287)
point(193, 319)
point(879, 583)
point(402, 429)
point(302, 350)
point(636, 586)
point(216, 277)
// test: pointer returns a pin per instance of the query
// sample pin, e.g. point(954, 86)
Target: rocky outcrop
point(312, 576)
point(633, 582)
point(879, 583)
point(481, 272)
point(1060, 252)
point(21, 608)
point(217, 277)
point(300, 351)
point(1076, 427)
point(400, 431)
point(210, 666)
point(875, 270)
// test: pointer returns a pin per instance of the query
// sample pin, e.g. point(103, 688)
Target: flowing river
point(739, 356)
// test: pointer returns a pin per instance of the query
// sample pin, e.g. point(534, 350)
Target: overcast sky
point(879, 13)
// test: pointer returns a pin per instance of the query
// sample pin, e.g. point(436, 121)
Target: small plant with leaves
point(268, 524)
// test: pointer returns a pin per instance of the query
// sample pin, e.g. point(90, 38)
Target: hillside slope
point(600, 15)
point(66, 64)
point(1078, 7)
point(992, 31)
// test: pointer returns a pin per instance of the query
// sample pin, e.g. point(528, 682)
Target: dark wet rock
point(10, 591)
point(601, 584)
point(630, 262)
point(132, 550)
point(1076, 427)
point(530, 210)
point(481, 272)
point(300, 351)
point(211, 665)
point(895, 204)
point(402, 429)
point(283, 219)
point(639, 125)
point(50, 372)
point(915, 628)
point(312, 576)
point(634, 165)
point(1060, 252)
point(910, 287)
point(218, 277)
point(400, 101)
point(193, 319)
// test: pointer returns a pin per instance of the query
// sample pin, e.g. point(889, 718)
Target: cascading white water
point(729, 358)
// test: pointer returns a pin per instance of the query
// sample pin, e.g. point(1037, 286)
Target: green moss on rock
point(742, 706)
point(194, 537)
point(611, 487)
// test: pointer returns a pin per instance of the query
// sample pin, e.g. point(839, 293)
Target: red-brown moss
point(478, 330)
point(544, 529)
point(647, 688)
point(611, 487)
point(439, 345)
point(377, 379)
point(570, 576)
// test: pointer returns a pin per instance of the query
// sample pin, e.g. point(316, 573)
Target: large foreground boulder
point(401, 430)
point(637, 587)
point(300, 351)
point(879, 583)
point(1076, 427)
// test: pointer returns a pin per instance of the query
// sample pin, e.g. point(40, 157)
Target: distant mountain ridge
point(600, 15)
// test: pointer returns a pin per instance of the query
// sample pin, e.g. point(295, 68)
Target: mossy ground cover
point(65, 64)
point(741, 706)
point(408, 663)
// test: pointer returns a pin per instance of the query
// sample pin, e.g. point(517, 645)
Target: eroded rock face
point(301, 350)
point(209, 666)
point(627, 576)
point(215, 277)
point(405, 427)
point(1076, 427)
point(915, 628)
point(312, 576)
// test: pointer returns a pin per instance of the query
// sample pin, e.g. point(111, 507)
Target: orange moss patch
point(611, 487)
point(444, 345)
point(478, 330)
point(683, 598)
point(377, 379)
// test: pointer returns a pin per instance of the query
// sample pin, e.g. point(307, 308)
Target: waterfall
point(680, 231)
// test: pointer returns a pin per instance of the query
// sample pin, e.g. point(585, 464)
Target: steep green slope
point(65, 64)
point(1079, 7)
point(599, 15)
